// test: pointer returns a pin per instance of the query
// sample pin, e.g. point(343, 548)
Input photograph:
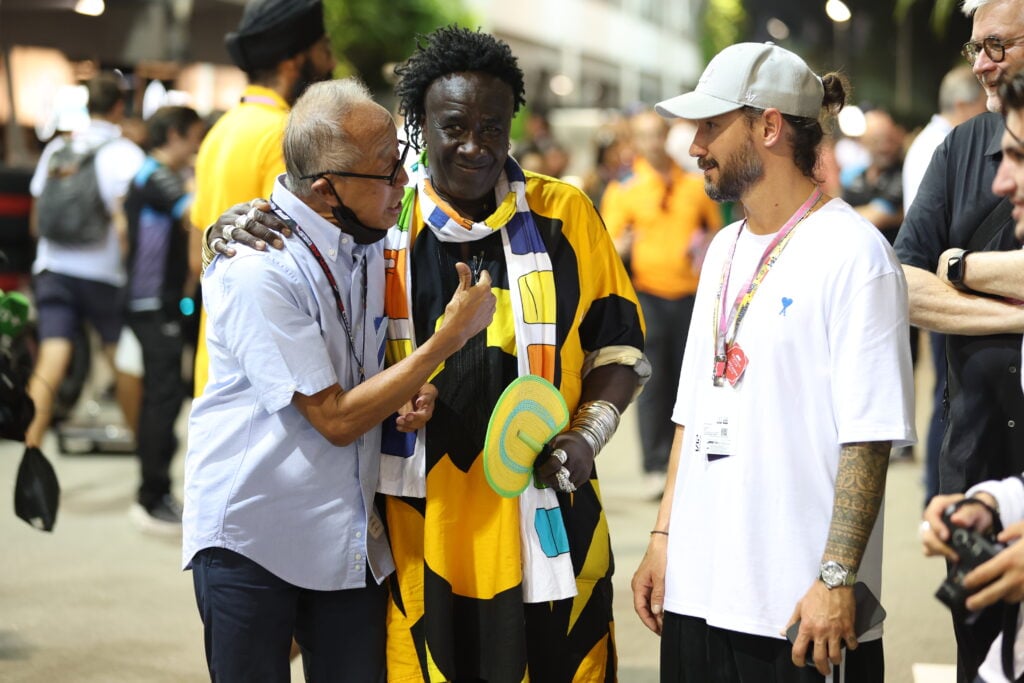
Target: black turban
point(272, 31)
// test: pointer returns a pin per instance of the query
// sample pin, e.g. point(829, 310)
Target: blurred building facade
point(599, 53)
point(577, 54)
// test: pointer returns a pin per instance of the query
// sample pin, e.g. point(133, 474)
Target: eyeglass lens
point(995, 49)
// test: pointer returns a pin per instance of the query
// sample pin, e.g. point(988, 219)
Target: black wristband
point(997, 523)
point(956, 270)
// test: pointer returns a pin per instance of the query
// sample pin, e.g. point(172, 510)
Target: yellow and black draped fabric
point(458, 610)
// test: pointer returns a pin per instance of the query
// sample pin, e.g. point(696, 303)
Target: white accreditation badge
point(717, 436)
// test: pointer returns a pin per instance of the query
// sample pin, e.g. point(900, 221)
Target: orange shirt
point(663, 221)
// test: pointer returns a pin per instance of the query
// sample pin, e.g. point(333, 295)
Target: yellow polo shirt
point(240, 159)
point(663, 218)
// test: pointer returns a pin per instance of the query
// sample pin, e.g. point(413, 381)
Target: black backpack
point(70, 209)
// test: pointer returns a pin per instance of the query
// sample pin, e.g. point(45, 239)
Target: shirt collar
point(100, 130)
point(260, 95)
point(327, 236)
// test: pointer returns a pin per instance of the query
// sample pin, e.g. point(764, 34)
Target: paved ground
point(97, 602)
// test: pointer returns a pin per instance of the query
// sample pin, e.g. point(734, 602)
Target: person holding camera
point(994, 511)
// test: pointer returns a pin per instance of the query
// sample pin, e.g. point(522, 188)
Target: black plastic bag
point(36, 490)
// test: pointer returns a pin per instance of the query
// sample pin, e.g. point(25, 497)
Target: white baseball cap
point(760, 75)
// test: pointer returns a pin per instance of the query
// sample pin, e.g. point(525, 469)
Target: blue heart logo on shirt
point(786, 303)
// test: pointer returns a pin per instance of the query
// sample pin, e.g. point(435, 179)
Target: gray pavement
point(98, 602)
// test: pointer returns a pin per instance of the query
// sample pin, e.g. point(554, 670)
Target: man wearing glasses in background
point(955, 208)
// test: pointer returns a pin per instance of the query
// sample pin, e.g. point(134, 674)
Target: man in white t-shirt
point(999, 274)
point(796, 383)
point(76, 282)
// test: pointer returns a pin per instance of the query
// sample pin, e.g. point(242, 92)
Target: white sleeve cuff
point(1009, 494)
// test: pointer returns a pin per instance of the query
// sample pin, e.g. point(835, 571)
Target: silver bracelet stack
point(596, 421)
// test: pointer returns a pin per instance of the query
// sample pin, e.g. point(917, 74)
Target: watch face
point(833, 574)
point(954, 268)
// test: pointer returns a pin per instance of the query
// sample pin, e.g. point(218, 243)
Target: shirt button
point(1011, 423)
point(344, 240)
point(358, 556)
point(332, 252)
point(359, 534)
point(1013, 369)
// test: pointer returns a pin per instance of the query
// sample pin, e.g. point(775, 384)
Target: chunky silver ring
point(562, 476)
point(560, 455)
point(239, 224)
point(216, 243)
point(251, 214)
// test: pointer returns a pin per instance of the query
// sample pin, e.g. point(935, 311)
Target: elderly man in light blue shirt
point(279, 526)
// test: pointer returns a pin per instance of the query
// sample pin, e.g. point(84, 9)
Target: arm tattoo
point(860, 485)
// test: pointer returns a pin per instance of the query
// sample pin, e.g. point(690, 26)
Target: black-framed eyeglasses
point(390, 178)
point(995, 48)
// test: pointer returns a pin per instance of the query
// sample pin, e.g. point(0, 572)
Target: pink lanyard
point(260, 99)
point(727, 324)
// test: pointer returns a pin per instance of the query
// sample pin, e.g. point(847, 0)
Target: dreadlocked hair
point(450, 50)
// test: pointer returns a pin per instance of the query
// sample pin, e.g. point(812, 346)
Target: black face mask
point(350, 223)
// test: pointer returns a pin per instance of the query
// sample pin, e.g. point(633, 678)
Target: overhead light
point(837, 11)
point(561, 85)
point(777, 29)
point(852, 121)
point(92, 8)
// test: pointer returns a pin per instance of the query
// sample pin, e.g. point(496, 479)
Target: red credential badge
point(736, 364)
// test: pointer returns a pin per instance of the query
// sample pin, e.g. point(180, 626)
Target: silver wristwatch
point(834, 574)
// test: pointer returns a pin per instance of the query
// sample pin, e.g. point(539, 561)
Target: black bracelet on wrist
point(997, 523)
point(658, 531)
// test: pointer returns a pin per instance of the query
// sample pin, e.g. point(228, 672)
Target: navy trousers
point(250, 616)
point(668, 322)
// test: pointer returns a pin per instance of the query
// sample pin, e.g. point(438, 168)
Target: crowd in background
point(865, 169)
point(136, 288)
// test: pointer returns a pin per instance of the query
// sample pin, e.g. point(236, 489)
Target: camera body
point(973, 548)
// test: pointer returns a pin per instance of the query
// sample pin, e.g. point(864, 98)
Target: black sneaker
point(164, 517)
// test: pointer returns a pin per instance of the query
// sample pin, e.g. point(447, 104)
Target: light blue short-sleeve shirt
point(259, 479)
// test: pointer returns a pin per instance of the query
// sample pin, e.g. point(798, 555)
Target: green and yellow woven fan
point(527, 415)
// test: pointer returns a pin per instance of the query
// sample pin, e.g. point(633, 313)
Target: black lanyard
point(334, 287)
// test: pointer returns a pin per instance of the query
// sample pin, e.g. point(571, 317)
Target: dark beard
point(742, 170)
point(307, 77)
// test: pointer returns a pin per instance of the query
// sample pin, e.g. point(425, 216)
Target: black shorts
point(64, 302)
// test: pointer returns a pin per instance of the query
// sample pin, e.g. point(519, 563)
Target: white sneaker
point(164, 518)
